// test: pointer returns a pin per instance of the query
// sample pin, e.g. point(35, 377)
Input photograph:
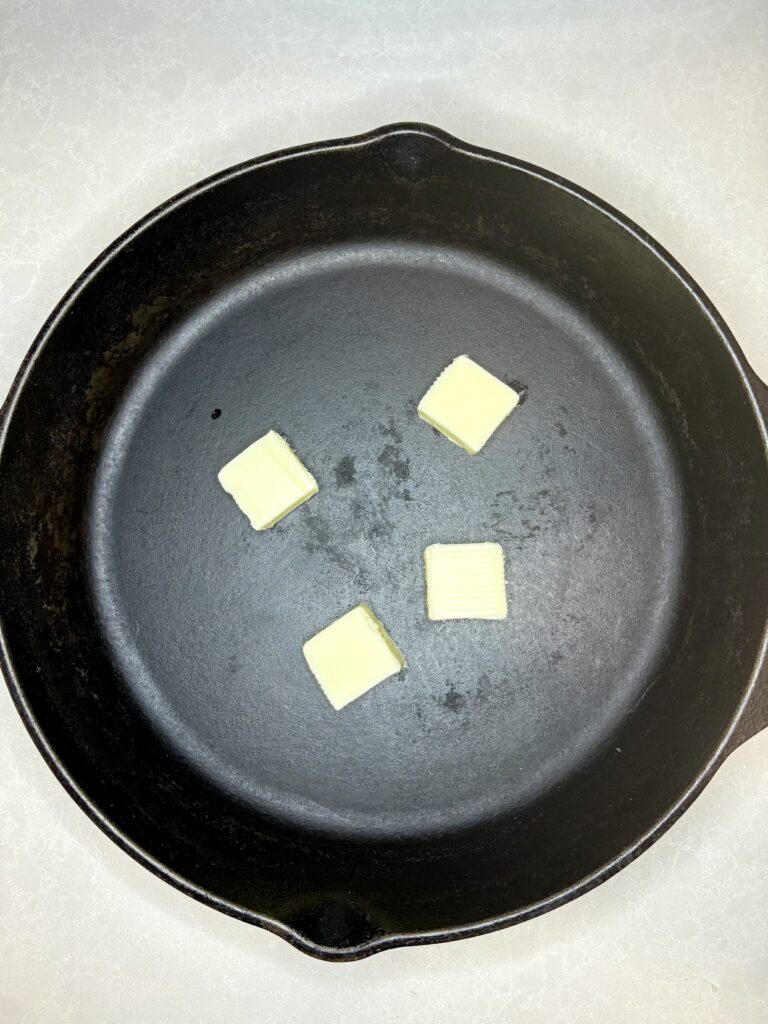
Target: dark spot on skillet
point(379, 529)
point(452, 700)
point(593, 521)
point(390, 430)
point(320, 538)
point(483, 686)
point(391, 459)
point(372, 516)
point(345, 472)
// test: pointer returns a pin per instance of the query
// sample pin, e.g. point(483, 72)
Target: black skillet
point(152, 640)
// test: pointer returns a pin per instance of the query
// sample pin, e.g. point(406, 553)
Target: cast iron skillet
point(152, 640)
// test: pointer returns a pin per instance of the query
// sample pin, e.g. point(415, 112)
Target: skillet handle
point(755, 715)
point(754, 718)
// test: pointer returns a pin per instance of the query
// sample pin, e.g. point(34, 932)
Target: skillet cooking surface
point(207, 618)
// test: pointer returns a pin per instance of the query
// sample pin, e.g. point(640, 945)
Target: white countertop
point(107, 108)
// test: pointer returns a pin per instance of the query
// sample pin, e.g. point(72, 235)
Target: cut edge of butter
point(331, 652)
point(445, 431)
point(498, 403)
point(271, 449)
point(465, 581)
point(378, 626)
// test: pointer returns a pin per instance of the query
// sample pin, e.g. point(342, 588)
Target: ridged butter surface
point(465, 581)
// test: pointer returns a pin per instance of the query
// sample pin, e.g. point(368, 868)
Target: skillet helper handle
point(755, 715)
point(754, 718)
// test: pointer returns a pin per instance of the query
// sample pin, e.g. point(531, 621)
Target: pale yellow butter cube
point(465, 581)
point(352, 655)
point(267, 481)
point(467, 404)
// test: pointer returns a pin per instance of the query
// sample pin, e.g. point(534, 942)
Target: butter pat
point(465, 581)
point(352, 655)
point(467, 404)
point(267, 481)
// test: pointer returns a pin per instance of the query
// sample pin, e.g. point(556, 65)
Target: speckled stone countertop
point(107, 108)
